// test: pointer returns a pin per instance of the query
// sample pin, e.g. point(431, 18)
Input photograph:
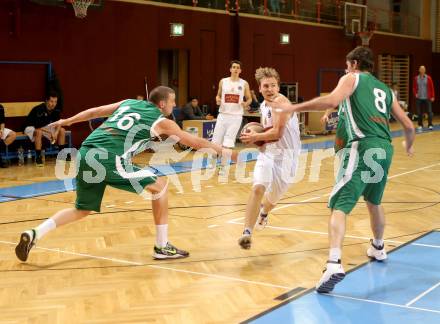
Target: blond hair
point(266, 72)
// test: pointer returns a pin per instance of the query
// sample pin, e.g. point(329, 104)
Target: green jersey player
point(105, 159)
point(365, 104)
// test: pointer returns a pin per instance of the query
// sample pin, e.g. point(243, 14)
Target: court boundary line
point(311, 290)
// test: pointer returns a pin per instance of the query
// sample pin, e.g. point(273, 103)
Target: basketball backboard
point(355, 18)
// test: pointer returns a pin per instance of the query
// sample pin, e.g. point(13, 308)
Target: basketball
point(256, 127)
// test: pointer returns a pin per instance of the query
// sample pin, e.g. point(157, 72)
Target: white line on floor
point(385, 303)
point(423, 294)
point(260, 283)
point(235, 220)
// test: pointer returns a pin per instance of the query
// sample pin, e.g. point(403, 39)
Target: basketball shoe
point(332, 274)
point(245, 240)
point(169, 252)
point(28, 239)
point(377, 252)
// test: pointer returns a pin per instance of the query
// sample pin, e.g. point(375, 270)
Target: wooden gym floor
point(100, 270)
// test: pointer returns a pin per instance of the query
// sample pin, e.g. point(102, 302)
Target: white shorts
point(6, 132)
point(47, 132)
point(276, 175)
point(226, 129)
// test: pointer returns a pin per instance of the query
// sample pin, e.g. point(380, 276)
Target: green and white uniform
point(368, 152)
point(105, 156)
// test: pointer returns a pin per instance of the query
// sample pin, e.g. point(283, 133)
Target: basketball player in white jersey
point(278, 158)
point(230, 98)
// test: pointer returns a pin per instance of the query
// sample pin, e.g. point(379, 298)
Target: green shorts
point(363, 172)
point(95, 172)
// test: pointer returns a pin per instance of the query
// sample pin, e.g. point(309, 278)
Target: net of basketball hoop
point(80, 7)
point(365, 37)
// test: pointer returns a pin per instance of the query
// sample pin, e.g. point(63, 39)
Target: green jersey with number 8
point(128, 130)
point(367, 110)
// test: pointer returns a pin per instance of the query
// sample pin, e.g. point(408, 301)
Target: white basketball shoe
point(333, 274)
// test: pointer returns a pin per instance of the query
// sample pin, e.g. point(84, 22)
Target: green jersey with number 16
point(128, 130)
point(367, 110)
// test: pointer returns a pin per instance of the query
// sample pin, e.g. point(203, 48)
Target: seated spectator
point(140, 97)
point(192, 111)
point(6, 135)
point(36, 126)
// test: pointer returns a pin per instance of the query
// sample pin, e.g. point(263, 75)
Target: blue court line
point(376, 292)
point(58, 186)
point(36, 189)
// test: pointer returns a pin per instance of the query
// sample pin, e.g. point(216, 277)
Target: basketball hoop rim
point(365, 34)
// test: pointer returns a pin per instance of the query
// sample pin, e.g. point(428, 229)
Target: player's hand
point(432, 99)
point(324, 119)
point(218, 101)
point(1, 133)
point(281, 104)
point(409, 149)
point(248, 137)
point(59, 123)
point(284, 107)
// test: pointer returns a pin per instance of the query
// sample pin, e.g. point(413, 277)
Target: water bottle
point(29, 157)
point(43, 156)
point(20, 153)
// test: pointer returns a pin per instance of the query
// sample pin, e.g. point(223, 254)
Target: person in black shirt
point(36, 126)
point(6, 135)
point(192, 111)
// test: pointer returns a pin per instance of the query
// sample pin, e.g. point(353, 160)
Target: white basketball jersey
point(291, 136)
point(232, 96)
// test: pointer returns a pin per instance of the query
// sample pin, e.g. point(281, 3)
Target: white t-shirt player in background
point(230, 97)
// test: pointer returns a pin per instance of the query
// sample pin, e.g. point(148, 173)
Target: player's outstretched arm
point(170, 128)
point(343, 90)
point(102, 111)
point(408, 127)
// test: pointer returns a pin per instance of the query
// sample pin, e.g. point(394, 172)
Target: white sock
point(45, 227)
point(161, 235)
point(334, 254)
point(263, 210)
point(378, 242)
point(248, 230)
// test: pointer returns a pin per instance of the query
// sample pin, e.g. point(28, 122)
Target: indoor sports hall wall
point(106, 56)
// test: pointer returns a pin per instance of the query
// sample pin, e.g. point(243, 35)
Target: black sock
point(37, 153)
